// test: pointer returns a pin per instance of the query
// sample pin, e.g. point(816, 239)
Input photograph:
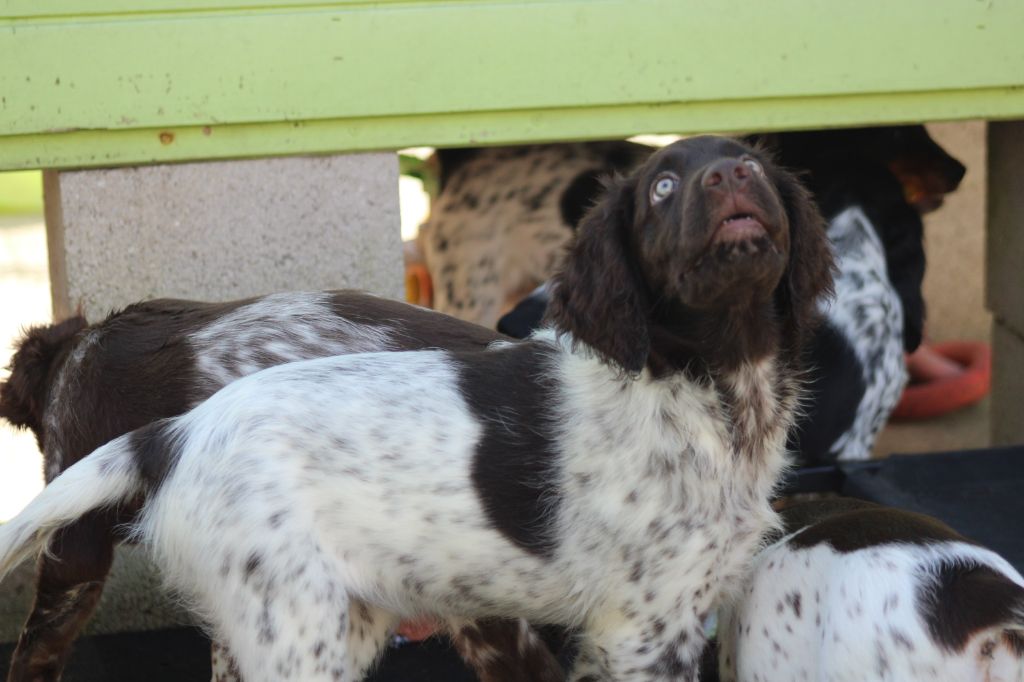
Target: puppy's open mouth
point(738, 227)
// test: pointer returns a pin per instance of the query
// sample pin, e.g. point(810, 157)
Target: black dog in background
point(889, 176)
point(895, 174)
point(892, 175)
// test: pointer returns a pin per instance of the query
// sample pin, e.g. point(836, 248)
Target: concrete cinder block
point(1005, 253)
point(222, 230)
point(1005, 280)
point(1007, 385)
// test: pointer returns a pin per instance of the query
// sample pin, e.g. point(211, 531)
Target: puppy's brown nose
point(726, 174)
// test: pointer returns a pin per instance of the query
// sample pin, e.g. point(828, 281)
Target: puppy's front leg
point(641, 648)
point(223, 667)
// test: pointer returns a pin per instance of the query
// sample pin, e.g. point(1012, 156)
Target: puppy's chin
point(734, 270)
point(750, 247)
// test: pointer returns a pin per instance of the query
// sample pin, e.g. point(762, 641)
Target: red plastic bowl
point(417, 630)
point(926, 397)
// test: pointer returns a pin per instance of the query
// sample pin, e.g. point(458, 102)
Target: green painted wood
point(33, 9)
point(78, 88)
point(84, 149)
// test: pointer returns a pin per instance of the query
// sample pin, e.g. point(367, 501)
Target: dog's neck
point(711, 342)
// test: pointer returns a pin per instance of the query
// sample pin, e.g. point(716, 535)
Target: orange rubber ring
point(935, 398)
point(418, 287)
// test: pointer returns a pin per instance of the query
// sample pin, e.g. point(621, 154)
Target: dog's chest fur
point(673, 478)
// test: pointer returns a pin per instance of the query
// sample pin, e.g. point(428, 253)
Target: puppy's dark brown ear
point(599, 295)
point(808, 275)
point(23, 395)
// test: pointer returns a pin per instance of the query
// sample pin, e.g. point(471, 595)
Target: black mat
point(980, 493)
point(183, 655)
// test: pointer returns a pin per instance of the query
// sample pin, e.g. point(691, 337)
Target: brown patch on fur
point(600, 297)
point(506, 651)
point(864, 525)
point(140, 369)
point(1014, 639)
point(39, 354)
point(966, 600)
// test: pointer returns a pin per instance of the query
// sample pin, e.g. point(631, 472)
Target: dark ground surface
point(183, 655)
point(979, 493)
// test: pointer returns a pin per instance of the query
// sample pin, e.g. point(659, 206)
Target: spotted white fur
point(368, 510)
point(279, 328)
point(496, 231)
point(814, 613)
point(868, 313)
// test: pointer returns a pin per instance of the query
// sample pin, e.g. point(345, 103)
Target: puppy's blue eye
point(663, 186)
point(754, 166)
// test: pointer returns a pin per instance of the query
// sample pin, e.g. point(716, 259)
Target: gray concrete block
point(1007, 385)
point(222, 230)
point(1005, 289)
point(1005, 280)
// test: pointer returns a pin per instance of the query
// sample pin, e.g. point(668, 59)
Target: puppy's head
point(705, 228)
point(23, 395)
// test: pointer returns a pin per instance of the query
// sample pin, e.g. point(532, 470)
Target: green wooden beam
point(117, 84)
point(32, 9)
point(84, 149)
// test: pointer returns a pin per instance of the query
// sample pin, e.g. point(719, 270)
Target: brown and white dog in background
point(77, 386)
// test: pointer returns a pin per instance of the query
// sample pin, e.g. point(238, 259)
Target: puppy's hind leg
point(369, 628)
point(69, 583)
point(289, 622)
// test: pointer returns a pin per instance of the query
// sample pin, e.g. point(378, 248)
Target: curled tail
point(107, 477)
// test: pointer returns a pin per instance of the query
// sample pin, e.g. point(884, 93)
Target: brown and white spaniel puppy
point(611, 474)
